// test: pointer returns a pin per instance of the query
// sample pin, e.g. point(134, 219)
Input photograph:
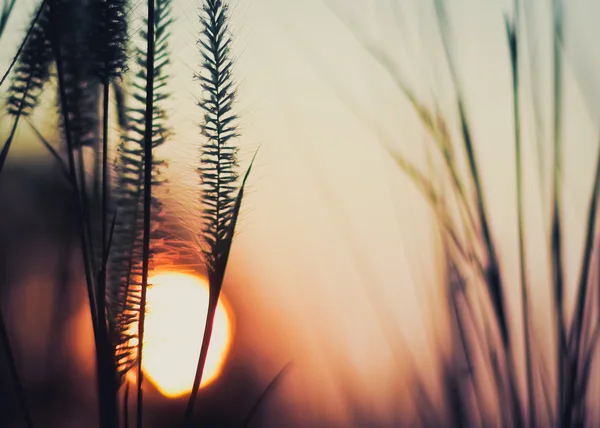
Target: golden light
point(176, 314)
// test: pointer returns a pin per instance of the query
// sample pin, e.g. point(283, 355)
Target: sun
point(175, 318)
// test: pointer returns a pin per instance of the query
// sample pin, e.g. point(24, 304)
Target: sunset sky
point(332, 233)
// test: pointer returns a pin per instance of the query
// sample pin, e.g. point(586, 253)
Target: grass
point(511, 32)
point(117, 246)
point(574, 359)
point(483, 356)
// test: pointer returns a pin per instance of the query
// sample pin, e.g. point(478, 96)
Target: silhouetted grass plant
point(221, 196)
point(470, 248)
point(482, 357)
point(87, 43)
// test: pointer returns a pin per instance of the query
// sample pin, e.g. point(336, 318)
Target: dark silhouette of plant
point(121, 226)
point(221, 196)
point(129, 256)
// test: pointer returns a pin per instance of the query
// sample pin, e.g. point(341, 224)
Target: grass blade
point(25, 39)
point(511, 33)
point(493, 276)
point(14, 373)
point(216, 277)
point(63, 166)
point(268, 389)
point(7, 9)
point(147, 203)
point(82, 219)
point(218, 163)
point(576, 332)
point(556, 228)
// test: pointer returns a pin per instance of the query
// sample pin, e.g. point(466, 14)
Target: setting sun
point(176, 314)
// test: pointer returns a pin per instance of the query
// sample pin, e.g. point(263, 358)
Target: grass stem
point(511, 31)
point(147, 203)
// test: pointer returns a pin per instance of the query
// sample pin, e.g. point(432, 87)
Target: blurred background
point(336, 267)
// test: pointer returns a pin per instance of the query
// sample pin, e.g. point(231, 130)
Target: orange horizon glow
point(176, 314)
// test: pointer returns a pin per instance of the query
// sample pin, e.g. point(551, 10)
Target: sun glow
point(175, 318)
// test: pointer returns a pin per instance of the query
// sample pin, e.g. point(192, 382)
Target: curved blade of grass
point(430, 194)
point(5, 13)
point(438, 132)
point(493, 280)
point(575, 334)
point(19, 113)
point(419, 179)
point(556, 228)
point(14, 373)
point(268, 389)
point(215, 284)
point(511, 33)
point(221, 263)
point(147, 203)
point(63, 166)
point(24, 42)
point(467, 351)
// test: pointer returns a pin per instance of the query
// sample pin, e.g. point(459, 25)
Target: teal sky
point(333, 235)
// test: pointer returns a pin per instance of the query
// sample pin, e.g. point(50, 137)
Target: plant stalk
point(147, 202)
point(513, 45)
point(208, 328)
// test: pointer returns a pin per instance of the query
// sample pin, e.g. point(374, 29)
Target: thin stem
point(72, 173)
point(270, 387)
point(81, 218)
point(14, 373)
point(555, 236)
point(493, 278)
point(85, 209)
point(147, 201)
point(208, 328)
point(24, 42)
point(126, 406)
point(11, 136)
point(63, 166)
point(578, 322)
point(102, 288)
point(5, 13)
point(512, 39)
point(106, 369)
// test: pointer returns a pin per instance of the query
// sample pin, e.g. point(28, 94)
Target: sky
point(333, 235)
